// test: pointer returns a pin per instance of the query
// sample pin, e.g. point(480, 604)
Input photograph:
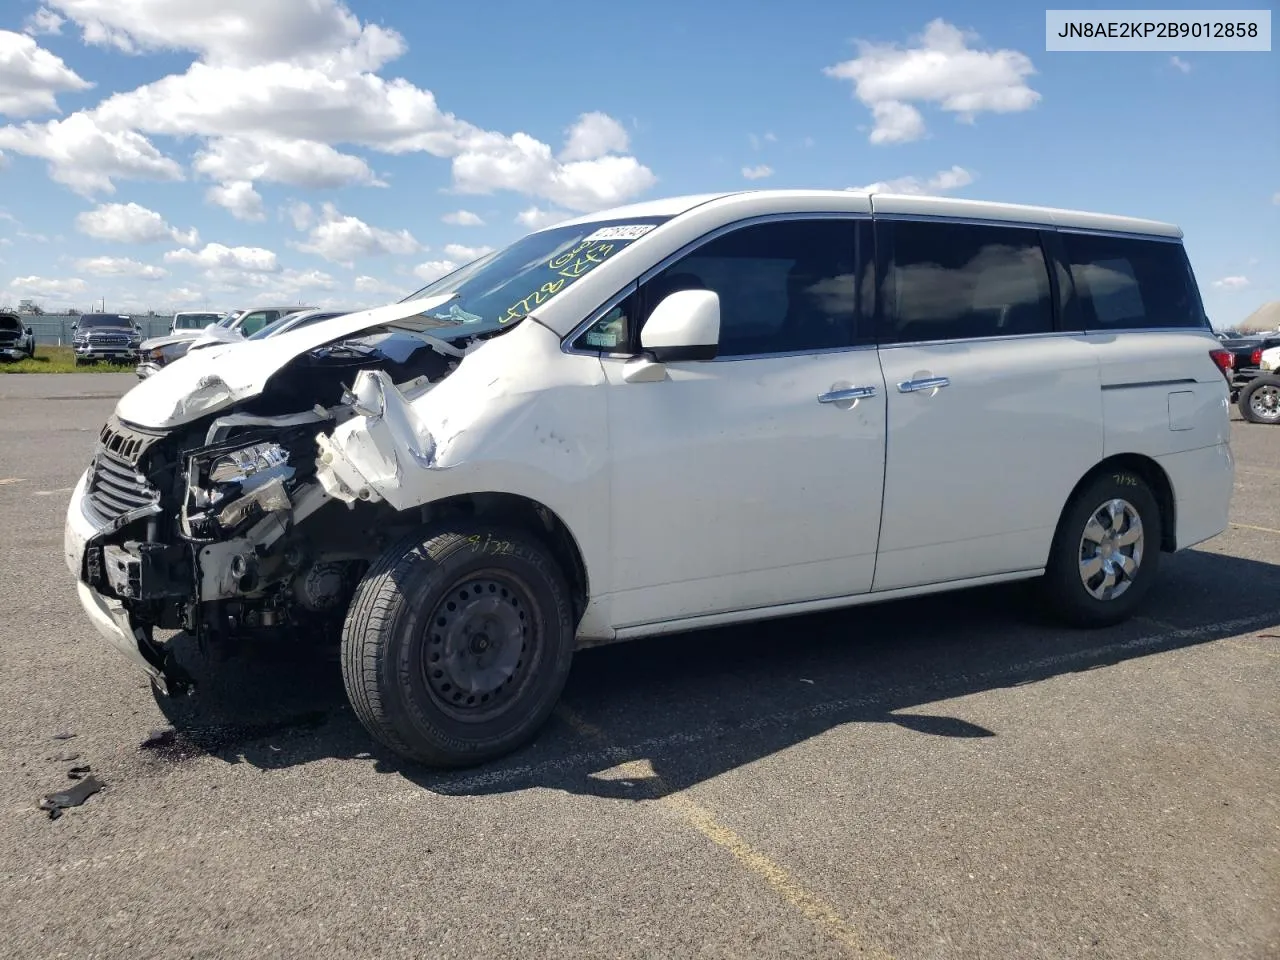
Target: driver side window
point(785, 286)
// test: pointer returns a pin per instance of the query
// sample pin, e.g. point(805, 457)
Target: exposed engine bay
point(221, 527)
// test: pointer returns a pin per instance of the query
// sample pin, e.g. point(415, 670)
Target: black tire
point(1266, 412)
point(31, 354)
point(401, 649)
point(80, 362)
point(1063, 586)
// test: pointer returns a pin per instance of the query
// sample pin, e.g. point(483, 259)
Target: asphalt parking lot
point(942, 778)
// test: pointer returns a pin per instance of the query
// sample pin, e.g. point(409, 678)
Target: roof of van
point(903, 204)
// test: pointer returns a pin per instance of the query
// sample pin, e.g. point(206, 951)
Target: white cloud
point(896, 123)
point(44, 20)
point(277, 88)
point(463, 218)
point(756, 141)
point(594, 135)
point(758, 172)
point(131, 223)
point(940, 68)
point(237, 32)
point(378, 288)
point(47, 287)
point(31, 77)
point(239, 198)
point(1179, 64)
point(302, 163)
point(341, 239)
point(1275, 197)
point(535, 218)
point(463, 254)
point(300, 213)
point(941, 182)
point(121, 267)
point(219, 256)
point(1232, 283)
point(85, 157)
point(434, 269)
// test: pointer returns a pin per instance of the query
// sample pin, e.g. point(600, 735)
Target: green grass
point(60, 360)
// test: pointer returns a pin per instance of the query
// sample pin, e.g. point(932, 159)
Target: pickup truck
point(1254, 390)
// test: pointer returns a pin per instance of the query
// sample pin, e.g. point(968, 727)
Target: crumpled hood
point(213, 379)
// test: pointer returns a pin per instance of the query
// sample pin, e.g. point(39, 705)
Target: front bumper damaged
point(130, 572)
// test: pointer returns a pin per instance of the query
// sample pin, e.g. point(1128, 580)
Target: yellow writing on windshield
point(569, 265)
point(521, 307)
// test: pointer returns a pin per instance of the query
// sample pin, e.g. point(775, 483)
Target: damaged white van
point(671, 415)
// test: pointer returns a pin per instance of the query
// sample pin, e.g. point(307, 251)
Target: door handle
point(928, 383)
point(848, 393)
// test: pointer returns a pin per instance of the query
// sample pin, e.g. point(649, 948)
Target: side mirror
point(29, 332)
point(684, 326)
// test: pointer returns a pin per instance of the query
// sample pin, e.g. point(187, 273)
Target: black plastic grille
point(115, 486)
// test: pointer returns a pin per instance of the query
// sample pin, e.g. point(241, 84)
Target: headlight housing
point(225, 491)
point(240, 465)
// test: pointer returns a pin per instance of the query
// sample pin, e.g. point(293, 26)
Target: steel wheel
point(478, 645)
point(1265, 402)
point(1111, 549)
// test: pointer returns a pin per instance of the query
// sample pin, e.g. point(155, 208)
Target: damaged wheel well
point(525, 514)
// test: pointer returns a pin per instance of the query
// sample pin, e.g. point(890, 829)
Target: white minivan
point(672, 415)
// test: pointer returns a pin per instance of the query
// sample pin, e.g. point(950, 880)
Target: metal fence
point(55, 329)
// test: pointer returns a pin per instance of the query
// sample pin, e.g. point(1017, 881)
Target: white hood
point(212, 379)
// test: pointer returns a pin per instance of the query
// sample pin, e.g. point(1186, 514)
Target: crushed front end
point(220, 527)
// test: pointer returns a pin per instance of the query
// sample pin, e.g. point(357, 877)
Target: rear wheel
point(456, 647)
point(1260, 400)
point(1106, 552)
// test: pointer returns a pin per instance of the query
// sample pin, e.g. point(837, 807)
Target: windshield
point(90, 320)
point(505, 286)
point(230, 318)
point(195, 321)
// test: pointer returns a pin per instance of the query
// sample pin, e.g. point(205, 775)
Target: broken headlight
point(242, 464)
point(229, 488)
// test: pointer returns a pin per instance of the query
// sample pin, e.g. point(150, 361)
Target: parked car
point(1258, 399)
point(673, 415)
point(105, 336)
point(295, 321)
point(189, 320)
point(236, 325)
point(17, 341)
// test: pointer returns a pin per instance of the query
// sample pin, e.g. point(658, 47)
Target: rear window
point(1128, 283)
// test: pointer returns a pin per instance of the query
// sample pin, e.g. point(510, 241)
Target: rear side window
point(1127, 283)
point(958, 281)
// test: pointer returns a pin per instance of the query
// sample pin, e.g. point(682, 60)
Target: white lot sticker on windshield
point(632, 231)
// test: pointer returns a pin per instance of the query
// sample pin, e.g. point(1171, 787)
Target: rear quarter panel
point(1164, 397)
point(1161, 392)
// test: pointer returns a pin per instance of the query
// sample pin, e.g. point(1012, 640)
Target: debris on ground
point(55, 803)
point(63, 736)
point(64, 757)
point(77, 773)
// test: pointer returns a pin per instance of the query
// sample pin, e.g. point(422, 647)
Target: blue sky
point(306, 150)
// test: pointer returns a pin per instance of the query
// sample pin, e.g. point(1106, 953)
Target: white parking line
point(50, 493)
point(607, 756)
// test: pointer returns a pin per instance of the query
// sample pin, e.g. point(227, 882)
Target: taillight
point(1225, 360)
point(1255, 358)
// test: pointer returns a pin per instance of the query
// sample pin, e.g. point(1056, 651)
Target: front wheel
point(1260, 400)
point(1106, 552)
point(456, 647)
